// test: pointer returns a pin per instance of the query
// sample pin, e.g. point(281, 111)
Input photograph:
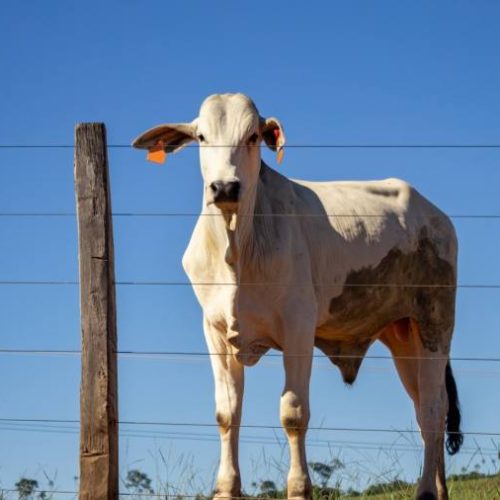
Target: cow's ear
point(273, 135)
point(171, 136)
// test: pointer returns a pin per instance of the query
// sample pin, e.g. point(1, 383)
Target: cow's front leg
point(294, 412)
point(228, 377)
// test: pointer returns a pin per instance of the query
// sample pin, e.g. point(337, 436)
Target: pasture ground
point(459, 489)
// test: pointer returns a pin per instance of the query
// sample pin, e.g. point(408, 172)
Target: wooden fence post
point(98, 392)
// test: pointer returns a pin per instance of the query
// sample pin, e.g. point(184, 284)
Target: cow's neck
point(240, 231)
point(244, 233)
point(242, 243)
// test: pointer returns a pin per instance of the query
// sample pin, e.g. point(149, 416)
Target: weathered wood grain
point(98, 396)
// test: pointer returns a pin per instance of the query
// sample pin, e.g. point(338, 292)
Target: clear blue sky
point(334, 72)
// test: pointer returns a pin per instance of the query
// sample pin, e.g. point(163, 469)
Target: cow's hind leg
point(432, 420)
point(228, 377)
point(294, 412)
point(422, 373)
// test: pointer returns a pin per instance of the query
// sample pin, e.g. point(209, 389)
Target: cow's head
point(229, 131)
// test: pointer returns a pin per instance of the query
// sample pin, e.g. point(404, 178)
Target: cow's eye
point(201, 137)
point(253, 138)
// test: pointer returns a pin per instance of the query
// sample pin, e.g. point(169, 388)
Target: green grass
point(468, 486)
point(477, 481)
point(462, 487)
point(487, 488)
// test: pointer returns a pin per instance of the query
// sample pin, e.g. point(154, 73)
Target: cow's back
point(354, 225)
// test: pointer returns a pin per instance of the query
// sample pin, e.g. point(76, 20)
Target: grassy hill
point(468, 486)
point(465, 487)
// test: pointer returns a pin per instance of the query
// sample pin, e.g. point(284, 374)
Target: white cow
point(290, 265)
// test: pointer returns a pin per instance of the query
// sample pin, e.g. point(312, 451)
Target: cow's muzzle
point(225, 192)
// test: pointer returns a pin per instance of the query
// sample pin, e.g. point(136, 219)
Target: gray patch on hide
point(360, 312)
point(384, 191)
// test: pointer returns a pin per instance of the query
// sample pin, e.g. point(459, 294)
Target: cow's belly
point(354, 320)
point(360, 312)
point(418, 285)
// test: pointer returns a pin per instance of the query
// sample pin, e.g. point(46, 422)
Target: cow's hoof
point(228, 488)
point(426, 495)
point(443, 494)
point(299, 488)
point(227, 495)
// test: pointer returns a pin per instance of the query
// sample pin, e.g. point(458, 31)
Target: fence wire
point(251, 439)
point(256, 215)
point(298, 145)
point(198, 354)
point(152, 423)
point(493, 286)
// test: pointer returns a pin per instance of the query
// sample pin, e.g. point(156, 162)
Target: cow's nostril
point(232, 190)
point(217, 188)
point(225, 192)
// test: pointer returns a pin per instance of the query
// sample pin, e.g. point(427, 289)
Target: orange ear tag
point(279, 156)
point(280, 151)
point(156, 154)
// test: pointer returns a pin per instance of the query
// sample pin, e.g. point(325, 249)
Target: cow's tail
point(454, 438)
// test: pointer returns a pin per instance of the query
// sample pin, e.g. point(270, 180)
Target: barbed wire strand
point(292, 146)
point(252, 426)
point(254, 439)
point(324, 285)
point(274, 440)
point(493, 286)
point(324, 363)
point(214, 437)
point(197, 354)
point(194, 214)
